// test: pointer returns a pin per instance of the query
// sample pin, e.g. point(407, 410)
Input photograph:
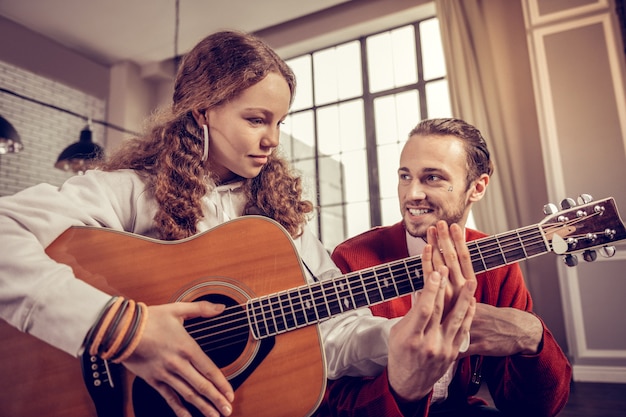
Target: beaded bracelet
point(102, 325)
point(134, 335)
point(118, 330)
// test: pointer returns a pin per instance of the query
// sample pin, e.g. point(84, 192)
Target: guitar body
point(239, 260)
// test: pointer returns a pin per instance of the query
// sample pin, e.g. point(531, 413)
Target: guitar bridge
point(104, 383)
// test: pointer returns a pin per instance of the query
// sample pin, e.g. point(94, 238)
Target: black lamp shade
point(10, 141)
point(82, 155)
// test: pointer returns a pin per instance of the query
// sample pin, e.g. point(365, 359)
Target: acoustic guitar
point(267, 341)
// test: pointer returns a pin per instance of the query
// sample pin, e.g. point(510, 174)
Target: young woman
point(209, 158)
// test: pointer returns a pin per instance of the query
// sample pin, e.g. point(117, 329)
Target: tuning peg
point(570, 260)
point(568, 203)
point(607, 251)
point(550, 209)
point(590, 255)
point(584, 199)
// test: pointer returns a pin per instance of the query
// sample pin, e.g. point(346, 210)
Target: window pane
point(301, 67)
point(328, 130)
point(357, 218)
point(408, 113)
point(433, 60)
point(352, 125)
point(330, 178)
point(395, 115)
point(337, 73)
point(348, 65)
point(404, 60)
point(380, 62)
point(438, 99)
point(388, 161)
point(391, 59)
point(306, 169)
point(332, 222)
point(341, 128)
point(385, 119)
point(285, 146)
point(300, 126)
point(325, 76)
point(356, 185)
point(390, 209)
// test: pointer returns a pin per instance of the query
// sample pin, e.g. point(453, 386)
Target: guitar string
point(274, 306)
point(243, 316)
point(498, 244)
point(244, 320)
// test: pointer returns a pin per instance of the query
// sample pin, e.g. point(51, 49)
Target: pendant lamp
point(10, 141)
point(82, 155)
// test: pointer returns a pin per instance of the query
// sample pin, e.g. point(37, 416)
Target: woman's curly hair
point(168, 156)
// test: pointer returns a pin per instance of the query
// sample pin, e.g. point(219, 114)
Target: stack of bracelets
point(117, 332)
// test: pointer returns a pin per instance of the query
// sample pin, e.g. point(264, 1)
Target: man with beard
point(432, 366)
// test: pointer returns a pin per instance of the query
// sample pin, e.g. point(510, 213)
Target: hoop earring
point(205, 153)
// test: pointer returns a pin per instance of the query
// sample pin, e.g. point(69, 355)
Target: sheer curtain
point(490, 87)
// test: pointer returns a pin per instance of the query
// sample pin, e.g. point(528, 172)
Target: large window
point(354, 107)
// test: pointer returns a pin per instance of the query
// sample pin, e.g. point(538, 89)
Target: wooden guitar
point(267, 341)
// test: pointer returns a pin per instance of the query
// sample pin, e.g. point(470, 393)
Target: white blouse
point(42, 297)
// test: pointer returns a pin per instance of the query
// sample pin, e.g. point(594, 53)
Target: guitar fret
point(519, 252)
point(313, 303)
point(272, 327)
point(403, 283)
point(344, 294)
point(364, 292)
point(478, 262)
point(288, 311)
point(372, 287)
point(388, 289)
point(494, 257)
point(308, 306)
point(299, 311)
point(321, 303)
point(538, 246)
point(332, 297)
point(350, 288)
point(415, 274)
point(388, 273)
point(255, 314)
point(278, 314)
point(264, 324)
point(356, 291)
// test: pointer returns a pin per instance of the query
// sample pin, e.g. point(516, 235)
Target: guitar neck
point(310, 304)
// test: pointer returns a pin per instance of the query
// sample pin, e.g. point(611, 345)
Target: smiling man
point(429, 370)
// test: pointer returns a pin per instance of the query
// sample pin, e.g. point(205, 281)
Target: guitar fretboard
point(309, 304)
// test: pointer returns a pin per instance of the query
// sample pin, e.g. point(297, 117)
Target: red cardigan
point(530, 385)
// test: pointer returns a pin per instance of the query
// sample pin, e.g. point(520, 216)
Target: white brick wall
point(44, 131)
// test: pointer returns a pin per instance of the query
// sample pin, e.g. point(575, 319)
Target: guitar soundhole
point(227, 337)
point(224, 339)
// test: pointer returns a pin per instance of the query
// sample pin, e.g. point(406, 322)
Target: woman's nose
point(271, 139)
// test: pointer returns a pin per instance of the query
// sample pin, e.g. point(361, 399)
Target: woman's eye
point(256, 121)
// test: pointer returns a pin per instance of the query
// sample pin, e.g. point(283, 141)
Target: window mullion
point(370, 142)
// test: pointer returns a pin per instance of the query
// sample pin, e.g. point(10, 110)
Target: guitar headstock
point(585, 226)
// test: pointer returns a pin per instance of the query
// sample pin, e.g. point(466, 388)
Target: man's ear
point(199, 116)
point(477, 192)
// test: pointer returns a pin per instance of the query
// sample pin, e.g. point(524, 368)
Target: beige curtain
point(490, 84)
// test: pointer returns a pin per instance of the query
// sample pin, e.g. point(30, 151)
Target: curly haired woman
point(207, 159)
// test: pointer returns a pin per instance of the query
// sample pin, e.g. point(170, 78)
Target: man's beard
point(454, 215)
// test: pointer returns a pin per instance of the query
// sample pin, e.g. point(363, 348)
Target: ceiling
point(144, 31)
